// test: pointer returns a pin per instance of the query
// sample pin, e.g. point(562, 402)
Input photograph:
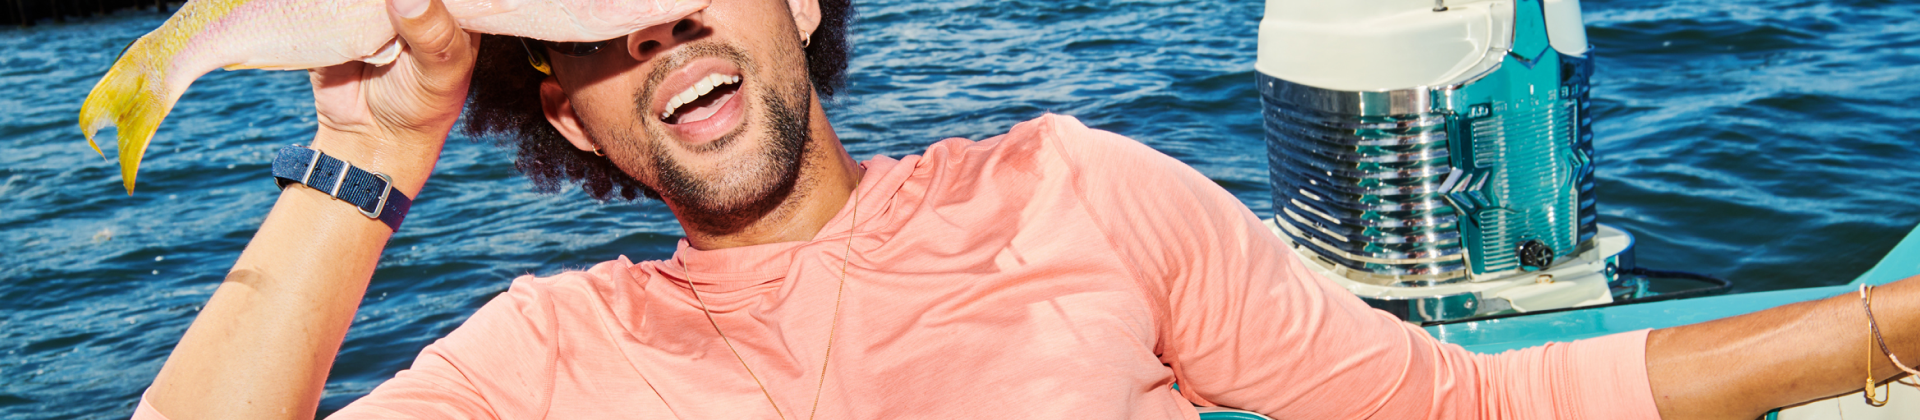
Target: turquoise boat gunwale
point(1498, 335)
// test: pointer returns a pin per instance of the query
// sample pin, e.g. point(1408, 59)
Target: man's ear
point(559, 112)
point(806, 16)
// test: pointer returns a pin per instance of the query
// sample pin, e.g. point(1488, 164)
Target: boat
point(1435, 158)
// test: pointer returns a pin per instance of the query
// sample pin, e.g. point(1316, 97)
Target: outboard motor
point(1436, 158)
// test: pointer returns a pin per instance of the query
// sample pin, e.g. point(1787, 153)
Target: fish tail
point(134, 97)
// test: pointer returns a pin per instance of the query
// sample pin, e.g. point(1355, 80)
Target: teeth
point(700, 88)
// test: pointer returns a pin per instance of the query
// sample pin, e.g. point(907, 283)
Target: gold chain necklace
point(845, 257)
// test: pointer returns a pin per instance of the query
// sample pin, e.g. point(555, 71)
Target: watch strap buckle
point(371, 193)
point(380, 204)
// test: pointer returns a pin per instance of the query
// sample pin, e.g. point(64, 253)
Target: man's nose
point(645, 44)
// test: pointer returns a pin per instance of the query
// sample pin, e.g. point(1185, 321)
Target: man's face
point(711, 112)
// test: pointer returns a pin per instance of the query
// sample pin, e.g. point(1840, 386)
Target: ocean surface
point(1771, 142)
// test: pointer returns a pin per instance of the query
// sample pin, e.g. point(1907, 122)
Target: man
point(1056, 271)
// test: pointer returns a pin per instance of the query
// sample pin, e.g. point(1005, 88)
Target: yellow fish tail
point(135, 95)
point(132, 97)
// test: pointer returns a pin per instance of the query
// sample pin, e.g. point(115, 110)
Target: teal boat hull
point(1497, 335)
point(1502, 334)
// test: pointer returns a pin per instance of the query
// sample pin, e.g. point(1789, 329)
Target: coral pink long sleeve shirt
point(1052, 272)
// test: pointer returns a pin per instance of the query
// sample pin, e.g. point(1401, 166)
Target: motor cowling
point(1433, 157)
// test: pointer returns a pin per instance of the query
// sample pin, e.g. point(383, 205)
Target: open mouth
point(702, 100)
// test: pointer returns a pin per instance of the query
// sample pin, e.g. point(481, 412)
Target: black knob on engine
point(1535, 255)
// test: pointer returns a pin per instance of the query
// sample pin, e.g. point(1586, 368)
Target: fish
point(153, 72)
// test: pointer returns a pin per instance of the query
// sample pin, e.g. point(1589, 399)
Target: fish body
point(150, 76)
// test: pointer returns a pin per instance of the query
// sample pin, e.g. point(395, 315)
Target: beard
point(729, 197)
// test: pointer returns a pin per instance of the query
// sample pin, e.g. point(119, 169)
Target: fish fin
point(265, 66)
point(470, 10)
point(134, 97)
point(386, 55)
point(270, 63)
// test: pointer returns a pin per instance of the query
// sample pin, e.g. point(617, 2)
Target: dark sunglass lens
point(576, 49)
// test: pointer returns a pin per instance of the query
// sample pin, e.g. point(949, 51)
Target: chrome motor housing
point(1430, 186)
point(1479, 169)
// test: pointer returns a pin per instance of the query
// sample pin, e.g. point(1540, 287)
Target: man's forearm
point(1740, 367)
point(262, 346)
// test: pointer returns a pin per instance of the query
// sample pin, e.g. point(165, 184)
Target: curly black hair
point(504, 105)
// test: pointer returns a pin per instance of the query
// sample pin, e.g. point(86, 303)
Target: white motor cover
point(1383, 45)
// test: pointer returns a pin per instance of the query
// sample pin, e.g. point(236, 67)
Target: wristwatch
point(370, 192)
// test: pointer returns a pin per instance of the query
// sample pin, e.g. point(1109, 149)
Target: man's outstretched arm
point(1249, 326)
point(1740, 367)
point(262, 346)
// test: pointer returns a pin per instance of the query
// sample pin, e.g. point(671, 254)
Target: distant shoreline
point(31, 12)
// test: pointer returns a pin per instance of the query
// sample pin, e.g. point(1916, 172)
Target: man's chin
point(754, 168)
point(737, 207)
point(742, 185)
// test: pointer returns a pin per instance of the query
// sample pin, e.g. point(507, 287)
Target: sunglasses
point(537, 54)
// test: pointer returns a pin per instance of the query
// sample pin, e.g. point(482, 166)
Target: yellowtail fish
point(203, 35)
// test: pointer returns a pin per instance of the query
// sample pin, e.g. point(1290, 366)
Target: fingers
point(433, 37)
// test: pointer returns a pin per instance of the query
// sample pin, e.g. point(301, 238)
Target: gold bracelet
point(1875, 338)
point(1873, 334)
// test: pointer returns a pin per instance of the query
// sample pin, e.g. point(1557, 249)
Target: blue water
point(1768, 141)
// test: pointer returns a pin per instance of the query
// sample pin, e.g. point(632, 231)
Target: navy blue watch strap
point(370, 192)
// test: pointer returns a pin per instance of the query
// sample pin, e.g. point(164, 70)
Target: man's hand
point(262, 346)
point(395, 117)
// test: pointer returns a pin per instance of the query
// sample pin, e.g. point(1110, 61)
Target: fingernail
point(410, 9)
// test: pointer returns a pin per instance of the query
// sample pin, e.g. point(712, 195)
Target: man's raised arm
point(262, 346)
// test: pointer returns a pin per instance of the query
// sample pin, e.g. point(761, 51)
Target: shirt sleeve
point(145, 411)
point(1245, 324)
point(497, 364)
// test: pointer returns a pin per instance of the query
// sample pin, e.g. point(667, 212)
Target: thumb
point(431, 34)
